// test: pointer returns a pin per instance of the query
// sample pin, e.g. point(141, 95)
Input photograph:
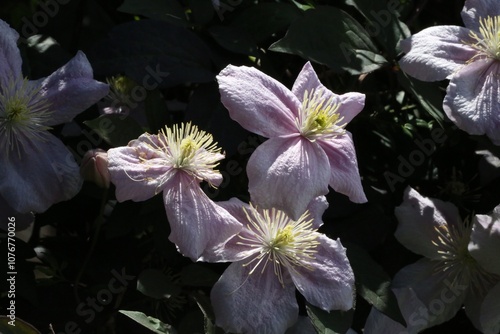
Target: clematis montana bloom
point(36, 169)
point(433, 289)
point(308, 148)
point(272, 256)
point(470, 58)
point(175, 161)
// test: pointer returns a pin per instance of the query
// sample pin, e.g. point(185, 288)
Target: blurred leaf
point(427, 94)
point(198, 275)
point(155, 54)
point(333, 322)
point(331, 37)
point(20, 326)
point(373, 284)
point(156, 111)
point(116, 130)
point(206, 308)
point(265, 19)
point(234, 40)
point(202, 10)
point(383, 22)
point(150, 323)
point(155, 284)
point(170, 10)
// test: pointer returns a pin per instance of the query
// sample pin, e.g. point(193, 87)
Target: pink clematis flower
point(175, 161)
point(36, 169)
point(272, 256)
point(470, 58)
point(433, 289)
point(308, 148)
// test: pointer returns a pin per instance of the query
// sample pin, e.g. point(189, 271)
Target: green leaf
point(427, 94)
point(150, 323)
point(171, 10)
point(333, 322)
point(155, 54)
point(155, 284)
point(264, 20)
point(202, 11)
point(116, 130)
point(373, 284)
point(234, 40)
point(208, 314)
point(330, 36)
point(16, 326)
point(383, 22)
point(156, 111)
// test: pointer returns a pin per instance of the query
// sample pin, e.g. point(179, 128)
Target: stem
point(98, 223)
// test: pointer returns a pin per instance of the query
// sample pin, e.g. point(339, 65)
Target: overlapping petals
point(36, 169)
point(307, 136)
point(270, 253)
point(470, 58)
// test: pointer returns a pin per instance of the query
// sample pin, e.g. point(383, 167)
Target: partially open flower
point(94, 167)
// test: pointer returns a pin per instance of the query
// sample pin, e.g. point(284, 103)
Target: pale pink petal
point(350, 104)
point(258, 102)
point(436, 53)
point(475, 9)
point(484, 245)
point(478, 309)
point(138, 170)
point(490, 311)
point(316, 209)
point(233, 250)
point(199, 227)
point(344, 173)
point(472, 99)
point(10, 58)
point(45, 173)
point(287, 174)
point(330, 283)
point(418, 217)
point(253, 303)
point(71, 89)
point(441, 292)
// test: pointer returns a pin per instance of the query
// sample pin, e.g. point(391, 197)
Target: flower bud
point(94, 167)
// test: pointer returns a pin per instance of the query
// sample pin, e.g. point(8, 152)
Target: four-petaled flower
point(272, 256)
point(308, 148)
point(175, 161)
point(433, 289)
point(36, 169)
point(470, 58)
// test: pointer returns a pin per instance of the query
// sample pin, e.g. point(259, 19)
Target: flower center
point(23, 115)
point(277, 239)
point(452, 243)
point(184, 148)
point(318, 117)
point(488, 39)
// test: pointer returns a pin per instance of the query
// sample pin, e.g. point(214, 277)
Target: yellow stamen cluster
point(318, 117)
point(23, 115)
point(452, 243)
point(183, 148)
point(279, 240)
point(488, 39)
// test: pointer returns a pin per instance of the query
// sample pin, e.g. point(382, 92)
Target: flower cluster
point(272, 241)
